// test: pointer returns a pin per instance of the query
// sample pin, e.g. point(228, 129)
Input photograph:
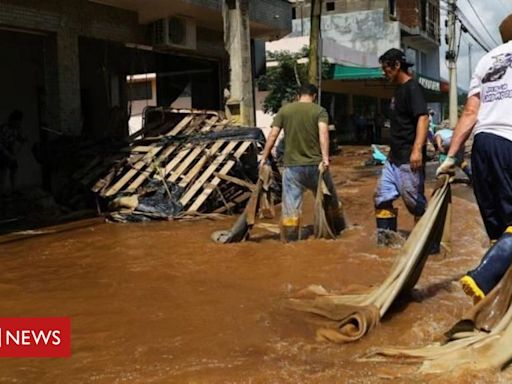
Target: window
point(411, 56)
point(330, 6)
point(392, 7)
point(423, 13)
point(423, 63)
point(294, 13)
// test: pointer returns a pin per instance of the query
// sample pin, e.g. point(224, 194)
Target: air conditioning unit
point(175, 32)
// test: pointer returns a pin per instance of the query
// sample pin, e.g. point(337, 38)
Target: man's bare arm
point(323, 133)
point(465, 124)
point(439, 143)
point(271, 140)
point(416, 159)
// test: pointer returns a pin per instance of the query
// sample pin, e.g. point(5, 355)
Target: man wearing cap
point(487, 111)
point(403, 174)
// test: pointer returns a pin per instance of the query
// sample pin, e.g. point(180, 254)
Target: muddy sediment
point(161, 303)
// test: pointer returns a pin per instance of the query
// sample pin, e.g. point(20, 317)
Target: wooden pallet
point(198, 169)
point(146, 160)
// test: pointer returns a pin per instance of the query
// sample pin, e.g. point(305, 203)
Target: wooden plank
point(200, 163)
point(146, 159)
point(235, 180)
point(145, 129)
point(181, 155)
point(198, 166)
point(234, 202)
point(138, 148)
point(104, 181)
point(196, 111)
point(225, 169)
point(207, 172)
point(166, 153)
point(99, 170)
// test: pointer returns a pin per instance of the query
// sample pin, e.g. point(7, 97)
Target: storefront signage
point(431, 85)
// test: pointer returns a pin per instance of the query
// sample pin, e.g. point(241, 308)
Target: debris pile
point(181, 163)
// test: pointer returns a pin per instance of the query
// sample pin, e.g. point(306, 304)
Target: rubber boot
point(480, 281)
point(386, 223)
point(289, 234)
point(290, 229)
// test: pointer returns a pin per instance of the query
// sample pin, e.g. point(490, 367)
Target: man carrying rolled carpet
point(306, 147)
point(404, 171)
point(488, 111)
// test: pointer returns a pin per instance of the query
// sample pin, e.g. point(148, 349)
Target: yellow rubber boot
point(471, 288)
point(290, 229)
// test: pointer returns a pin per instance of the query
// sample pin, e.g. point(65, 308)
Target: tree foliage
point(283, 80)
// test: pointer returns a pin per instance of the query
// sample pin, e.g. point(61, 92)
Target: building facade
point(68, 61)
point(374, 26)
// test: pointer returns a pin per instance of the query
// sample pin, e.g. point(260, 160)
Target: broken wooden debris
point(181, 163)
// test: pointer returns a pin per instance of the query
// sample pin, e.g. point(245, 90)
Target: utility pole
point(237, 40)
point(314, 42)
point(451, 57)
point(301, 2)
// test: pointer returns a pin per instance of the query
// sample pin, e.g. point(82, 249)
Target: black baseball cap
point(393, 55)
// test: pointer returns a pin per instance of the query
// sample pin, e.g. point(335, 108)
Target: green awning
point(346, 72)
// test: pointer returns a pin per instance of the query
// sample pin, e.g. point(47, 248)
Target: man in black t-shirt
point(403, 174)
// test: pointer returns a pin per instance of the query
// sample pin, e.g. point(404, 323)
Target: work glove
point(447, 167)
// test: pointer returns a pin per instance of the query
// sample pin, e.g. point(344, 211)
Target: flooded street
point(161, 303)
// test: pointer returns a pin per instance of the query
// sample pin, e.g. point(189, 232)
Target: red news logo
point(35, 337)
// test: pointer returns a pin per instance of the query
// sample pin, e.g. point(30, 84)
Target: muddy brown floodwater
point(160, 303)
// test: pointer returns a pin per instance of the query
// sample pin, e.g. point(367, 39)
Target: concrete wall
point(275, 14)
point(66, 20)
point(342, 6)
point(365, 31)
point(332, 51)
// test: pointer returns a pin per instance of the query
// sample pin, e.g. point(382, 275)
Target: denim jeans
point(296, 179)
point(400, 180)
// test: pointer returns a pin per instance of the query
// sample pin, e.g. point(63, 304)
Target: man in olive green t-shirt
point(306, 147)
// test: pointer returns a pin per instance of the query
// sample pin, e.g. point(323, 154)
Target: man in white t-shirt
point(488, 111)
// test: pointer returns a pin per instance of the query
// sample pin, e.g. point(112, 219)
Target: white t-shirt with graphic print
point(493, 81)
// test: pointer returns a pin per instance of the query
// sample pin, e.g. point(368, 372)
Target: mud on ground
point(161, 303)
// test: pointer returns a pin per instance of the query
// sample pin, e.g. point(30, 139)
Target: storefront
point(358, 101)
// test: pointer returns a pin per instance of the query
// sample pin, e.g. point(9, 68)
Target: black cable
point(481, 22)
point(464, 28)
point(458, 44)
point(470, 29)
